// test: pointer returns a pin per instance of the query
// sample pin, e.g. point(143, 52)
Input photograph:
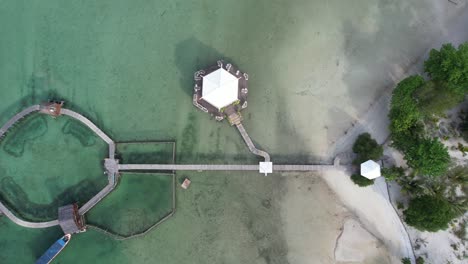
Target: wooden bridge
point(222, 167)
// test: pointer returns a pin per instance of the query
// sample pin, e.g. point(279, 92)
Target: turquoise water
point(140, 201)
point(314, 66)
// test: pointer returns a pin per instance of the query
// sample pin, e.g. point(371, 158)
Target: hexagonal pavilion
point(221, 90)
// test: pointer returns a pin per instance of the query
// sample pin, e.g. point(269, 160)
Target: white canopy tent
point(370, 169)
point(220, 88)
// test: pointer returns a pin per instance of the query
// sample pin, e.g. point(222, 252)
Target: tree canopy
point(433, 99)
point(428, 156)
point(404, 112)
point(393, 173)
point(449, 65)
point(366, 148)
point(429, 213)
point(361, 181)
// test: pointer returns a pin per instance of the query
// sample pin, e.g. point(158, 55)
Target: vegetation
point(450, 66)
point(404, 112)
point(393, 173)
point(366, 149)
point(415, 108)
point(420, 260)
point(428, 157)
point(405, 261)
point(429, 213)
point(433, 99)
point(361, 181)
point(464, 126)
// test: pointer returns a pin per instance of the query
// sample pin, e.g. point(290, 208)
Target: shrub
point(393, 173)
point(361, 181)
point(405, 261)
point(428, 156)
point(366, 148)
point(404, 113)
point(419, 260)
point(430, 213)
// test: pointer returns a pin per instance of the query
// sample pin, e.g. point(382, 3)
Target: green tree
point(419, 260)
point(405, 261)
point(449, 65)
point(428, 157)
point(429, 213)
point(393, 173)
point(361, 181)
point(404, 113)
point(366, 148)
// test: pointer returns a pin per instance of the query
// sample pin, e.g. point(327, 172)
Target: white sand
point(315, 223)
point(356, 245)
point(372, 207)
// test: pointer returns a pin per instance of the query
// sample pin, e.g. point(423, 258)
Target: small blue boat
point(54, 250)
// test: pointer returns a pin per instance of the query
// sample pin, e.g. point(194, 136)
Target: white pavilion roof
point(370, 169)
point(220, 88)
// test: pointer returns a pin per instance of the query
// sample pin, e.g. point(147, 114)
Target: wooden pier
point(113, 167)
point(223, 167)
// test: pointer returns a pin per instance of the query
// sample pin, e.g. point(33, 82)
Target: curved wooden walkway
point(18, 117)
point(21, 222)
point(91, 203)
point(93, 127)
point(250, 144)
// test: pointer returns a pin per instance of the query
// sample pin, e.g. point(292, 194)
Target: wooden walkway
point(93, 127)
point(113, 179)
point(250, 144)
point(221, 167)
point(18, 117)
point(113, 168)
point(91, 203)
point(21, 222)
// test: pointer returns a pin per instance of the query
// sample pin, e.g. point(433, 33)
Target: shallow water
point(314, 66)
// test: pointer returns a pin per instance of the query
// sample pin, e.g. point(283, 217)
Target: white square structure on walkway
point(265, 167)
